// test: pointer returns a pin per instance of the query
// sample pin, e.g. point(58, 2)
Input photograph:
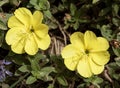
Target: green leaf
point(104, 11)
point(1, 37)
point(118, 36)
point(115, 8)
point(18, 73)
point(94, 1)
point(2, 26)
point(76, 25)
point(81, 85)
point(116, 76)
point(106, 32)
point(72, 9)
point(33, 2)
point(44, 5)
point(46, 71)
point(3, 2)
point(35, 65)
point(62, 80)
point(61, 7)
point(117, 61)
point(34, 60)
point(25, 68)
point(97, 80)
point(94, 80)
point(30, 80)
point(116, 51)
point(50, 86)
point(40, 4)
point(116, 21)
point(41, 75)
point(19, 59)
point(15, 2)
point(48, 14)
point(116, 84)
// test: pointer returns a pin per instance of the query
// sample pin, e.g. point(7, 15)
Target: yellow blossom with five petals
point(87, 53)
point(27, 33)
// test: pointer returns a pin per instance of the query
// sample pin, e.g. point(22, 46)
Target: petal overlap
point(27, 33)
point(87, 54)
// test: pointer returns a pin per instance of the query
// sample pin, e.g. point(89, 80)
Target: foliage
point(46, 69)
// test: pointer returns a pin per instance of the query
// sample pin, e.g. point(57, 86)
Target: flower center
point(87, 51)
point(31, 29)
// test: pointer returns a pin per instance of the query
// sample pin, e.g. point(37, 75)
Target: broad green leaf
point(118, 36)
point(30, 80)
point(18, 73)
point(82, 85)
point(62, 80)
point(48, 14)
point(34, 60)
point(46, 71)
point(106, 32)
point(116, 84)
point(116, 21)
point(25, 68)
point(116, 76)
point(2, 26)
point(40, 4)
point(115, 8)
point(33, 2)
point(97, 80)
point(94, 80)
point(51, 86)
point(73, 9)
point(15, 2)
point(61, 7)
point(43, 73)
point(116, 51)
point(117, 61)
point(44, 5)
point(3, 2)
point(104, 11)
point(94, 1)
point(76, 25)
point(19, 59)
point(35, 65)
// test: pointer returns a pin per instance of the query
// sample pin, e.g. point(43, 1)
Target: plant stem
point(13, 85)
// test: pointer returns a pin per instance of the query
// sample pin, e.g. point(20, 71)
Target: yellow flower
point(27, 33)
point(87, 53)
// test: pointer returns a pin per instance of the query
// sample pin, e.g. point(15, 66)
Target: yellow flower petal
point(77, 39)
point(24, 15)
point(96, 69)
point(95, 44)
point(71, 63)
point(41, 30)
point(100, 58)
point(14, 22)
point(43, 43)
point(90, 40)
point(70, 51)
point(13, 35)
point(18, 46)
point(83, 67)
point(37, 18)
point(100, 45)
point(31, 46)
